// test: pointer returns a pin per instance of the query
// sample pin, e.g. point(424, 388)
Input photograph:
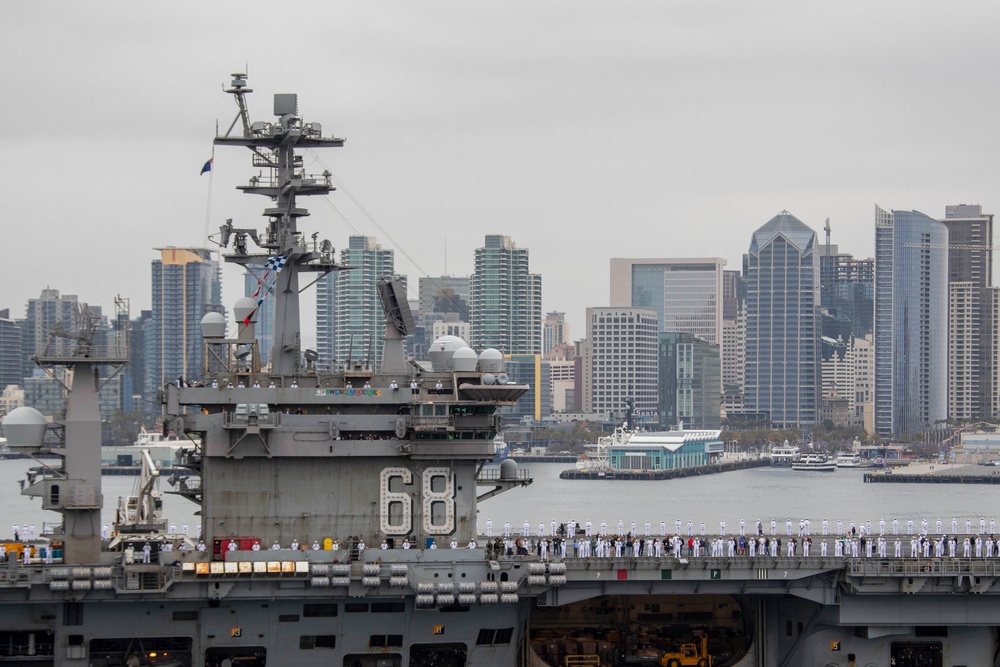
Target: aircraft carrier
point(297, 468)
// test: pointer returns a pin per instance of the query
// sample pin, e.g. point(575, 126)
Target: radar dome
point(245, 307)
point(465, 360)
point(508, 469)
point(491, 361)
point(213, 325)
point(442, 350)
point(24, 427)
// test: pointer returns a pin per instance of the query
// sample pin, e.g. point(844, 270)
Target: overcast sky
point(583, 130)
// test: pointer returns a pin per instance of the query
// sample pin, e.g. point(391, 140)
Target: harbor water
point(759, 493)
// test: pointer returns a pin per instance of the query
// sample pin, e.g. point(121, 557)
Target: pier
point(675, 473)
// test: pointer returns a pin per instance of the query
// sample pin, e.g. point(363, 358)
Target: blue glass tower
point(783, 326)
point(911, 322)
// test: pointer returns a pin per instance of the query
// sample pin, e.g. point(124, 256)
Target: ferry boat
point(851, 460)
point(783, 456)
point(815, 463)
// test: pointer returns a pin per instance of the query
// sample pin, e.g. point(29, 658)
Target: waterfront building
point(186, 284)
point(971, 318)
point(911, 322)
point(621, 358)
point(783, 328)
point(689, 389)
point(505, 299)
point(667, 450)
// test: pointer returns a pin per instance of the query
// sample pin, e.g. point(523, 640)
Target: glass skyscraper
point(685, 292)
point(505, 299)
point(186, 285)
point(911, 322)
point(783, 327)
point(349, 318)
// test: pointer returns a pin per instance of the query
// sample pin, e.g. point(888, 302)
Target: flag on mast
point(207, 166)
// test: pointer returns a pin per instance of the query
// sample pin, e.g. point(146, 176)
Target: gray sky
point(583, 130)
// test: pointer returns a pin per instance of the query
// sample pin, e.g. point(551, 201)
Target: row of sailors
point(738, 546)
point(804, 528)
point(360, 545)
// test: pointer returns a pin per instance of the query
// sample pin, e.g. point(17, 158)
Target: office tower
point(734, 330)
point(255, 283)
point(971, 362)
point(685, 292)
point(528, 369)
point(562, 379)
point(186, 285)
point(506, 299)
point(349, 318)
point(623, 359)
point(689, 386)
point(41, 315)
point(911, 322)
point(783, 327)
point(848, 288)
point(555, 331)
point(441, 298)
point(11, 357)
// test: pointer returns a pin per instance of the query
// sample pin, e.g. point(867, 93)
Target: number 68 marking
point(400, 503)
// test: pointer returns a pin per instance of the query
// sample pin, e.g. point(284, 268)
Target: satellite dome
point(213, 325)
point(24, 427)
point(245, 307)
point(465, 359)
point(491, 361)
point(508, 469)
point(442, 349)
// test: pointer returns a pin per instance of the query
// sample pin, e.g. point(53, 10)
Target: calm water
point(761, 493)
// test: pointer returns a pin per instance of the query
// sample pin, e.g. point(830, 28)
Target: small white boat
point(851, 460)
point(784, 455)
point(815, 463)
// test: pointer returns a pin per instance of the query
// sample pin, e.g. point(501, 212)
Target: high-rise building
point(848, 288)
point(41, 315)
point(11, 357)
point(537, 403)
point(783, 327)
point(254, 283)
point(971, 362)
point(186, 285)
point(734, 331)
point(505, 299)
point(349, 318)
point(911, 322)
point(555, 331)
point(689, 386)
point(562, 378)
point(440, 298)
point(623, 356)
point(685, 292)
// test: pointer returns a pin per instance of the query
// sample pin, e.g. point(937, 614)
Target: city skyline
point(583, 132)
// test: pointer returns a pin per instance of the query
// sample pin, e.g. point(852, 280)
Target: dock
point(935, 472)
point(676, 473)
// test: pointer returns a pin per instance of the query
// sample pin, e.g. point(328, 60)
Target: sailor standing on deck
point(145, 553)
point(489, 528)
point(526, 529)
point(232, 545)
point(826, 526)
point(506, 528)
